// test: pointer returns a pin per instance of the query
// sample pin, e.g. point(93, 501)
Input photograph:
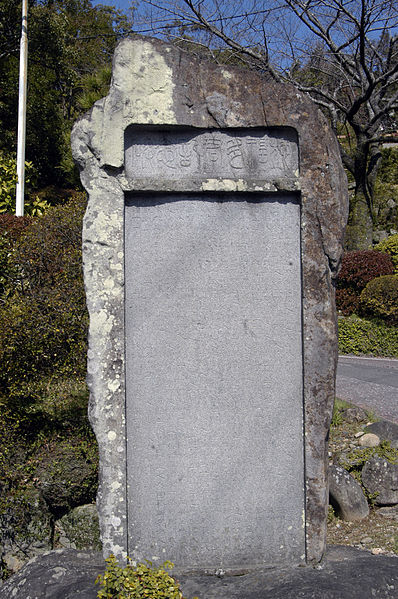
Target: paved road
point(371, 383)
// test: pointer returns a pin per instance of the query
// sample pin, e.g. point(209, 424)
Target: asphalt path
point(371, 383)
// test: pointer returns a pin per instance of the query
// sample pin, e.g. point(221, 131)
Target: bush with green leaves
point(43, 318)
point(8, 181)
point(138, 581)
point(380, 298)
point(357, 269)
point(390, 246)
point(367, 336)
point(11, 228)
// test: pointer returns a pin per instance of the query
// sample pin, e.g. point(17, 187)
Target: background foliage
point(363, 336)
point(357, 269)
point(48, 453)
point(390, 247)
point(71, 42)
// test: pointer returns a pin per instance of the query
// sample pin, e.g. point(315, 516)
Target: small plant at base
point(338, 407)
point(138, 581)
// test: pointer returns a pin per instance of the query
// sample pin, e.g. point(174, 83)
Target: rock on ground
point(369, 440)
point(79, 528)
point(346, 573)
point(346, 494)
point(388, 431)
point(59, 574)
point(380, 478)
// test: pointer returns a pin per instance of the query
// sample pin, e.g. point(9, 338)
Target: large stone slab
point(228, 190)
point(214, 379)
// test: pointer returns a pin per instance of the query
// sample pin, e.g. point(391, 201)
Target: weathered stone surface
point(61, 574)
point(346, 573)
point(79, 529)
point(161, 86)
point(380, 478)
point(346, 495)
point(387, 431)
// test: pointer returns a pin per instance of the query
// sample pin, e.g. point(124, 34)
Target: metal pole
point(23, 72)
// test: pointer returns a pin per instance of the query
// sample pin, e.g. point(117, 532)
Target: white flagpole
point(23, 72)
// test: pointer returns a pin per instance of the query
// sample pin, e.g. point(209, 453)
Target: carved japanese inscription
point(195, 153)
point(214, 378)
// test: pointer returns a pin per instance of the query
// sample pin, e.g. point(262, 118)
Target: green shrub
point(8, 181)
point(11, 228)
point(357, 269)
point(138, 581)
point(43, 320)
point(390, 246)
point(49, 251)
point(362, 336)
point(380, 298)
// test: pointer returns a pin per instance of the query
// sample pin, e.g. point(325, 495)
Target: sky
point(122, 4)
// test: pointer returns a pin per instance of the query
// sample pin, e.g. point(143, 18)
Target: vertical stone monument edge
point(156, 84)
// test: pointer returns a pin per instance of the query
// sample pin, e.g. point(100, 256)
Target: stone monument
point(214, 226)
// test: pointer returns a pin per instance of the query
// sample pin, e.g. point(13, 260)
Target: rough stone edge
point(216, 97)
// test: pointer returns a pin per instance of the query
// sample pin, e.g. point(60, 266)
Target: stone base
point(346, 573)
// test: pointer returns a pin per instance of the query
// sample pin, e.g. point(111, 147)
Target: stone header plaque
point(213, 233)
point(252, 154)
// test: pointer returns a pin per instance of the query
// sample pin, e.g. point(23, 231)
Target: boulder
point(79, 529)
point(60, 574)
point(66, 478)
point(380, 478)
point(387, 431)
point(346, 495)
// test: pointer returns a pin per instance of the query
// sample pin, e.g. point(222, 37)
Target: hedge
point(390, 247)
point(380, 299)
point(357, 269)
point(365, 336)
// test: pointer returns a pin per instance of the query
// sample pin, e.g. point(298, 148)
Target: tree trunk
point(359, 233)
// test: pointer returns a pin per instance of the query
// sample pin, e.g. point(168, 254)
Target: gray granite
point(345, 573)
point(214, 380)
point(171, 98)
point(201, 154)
